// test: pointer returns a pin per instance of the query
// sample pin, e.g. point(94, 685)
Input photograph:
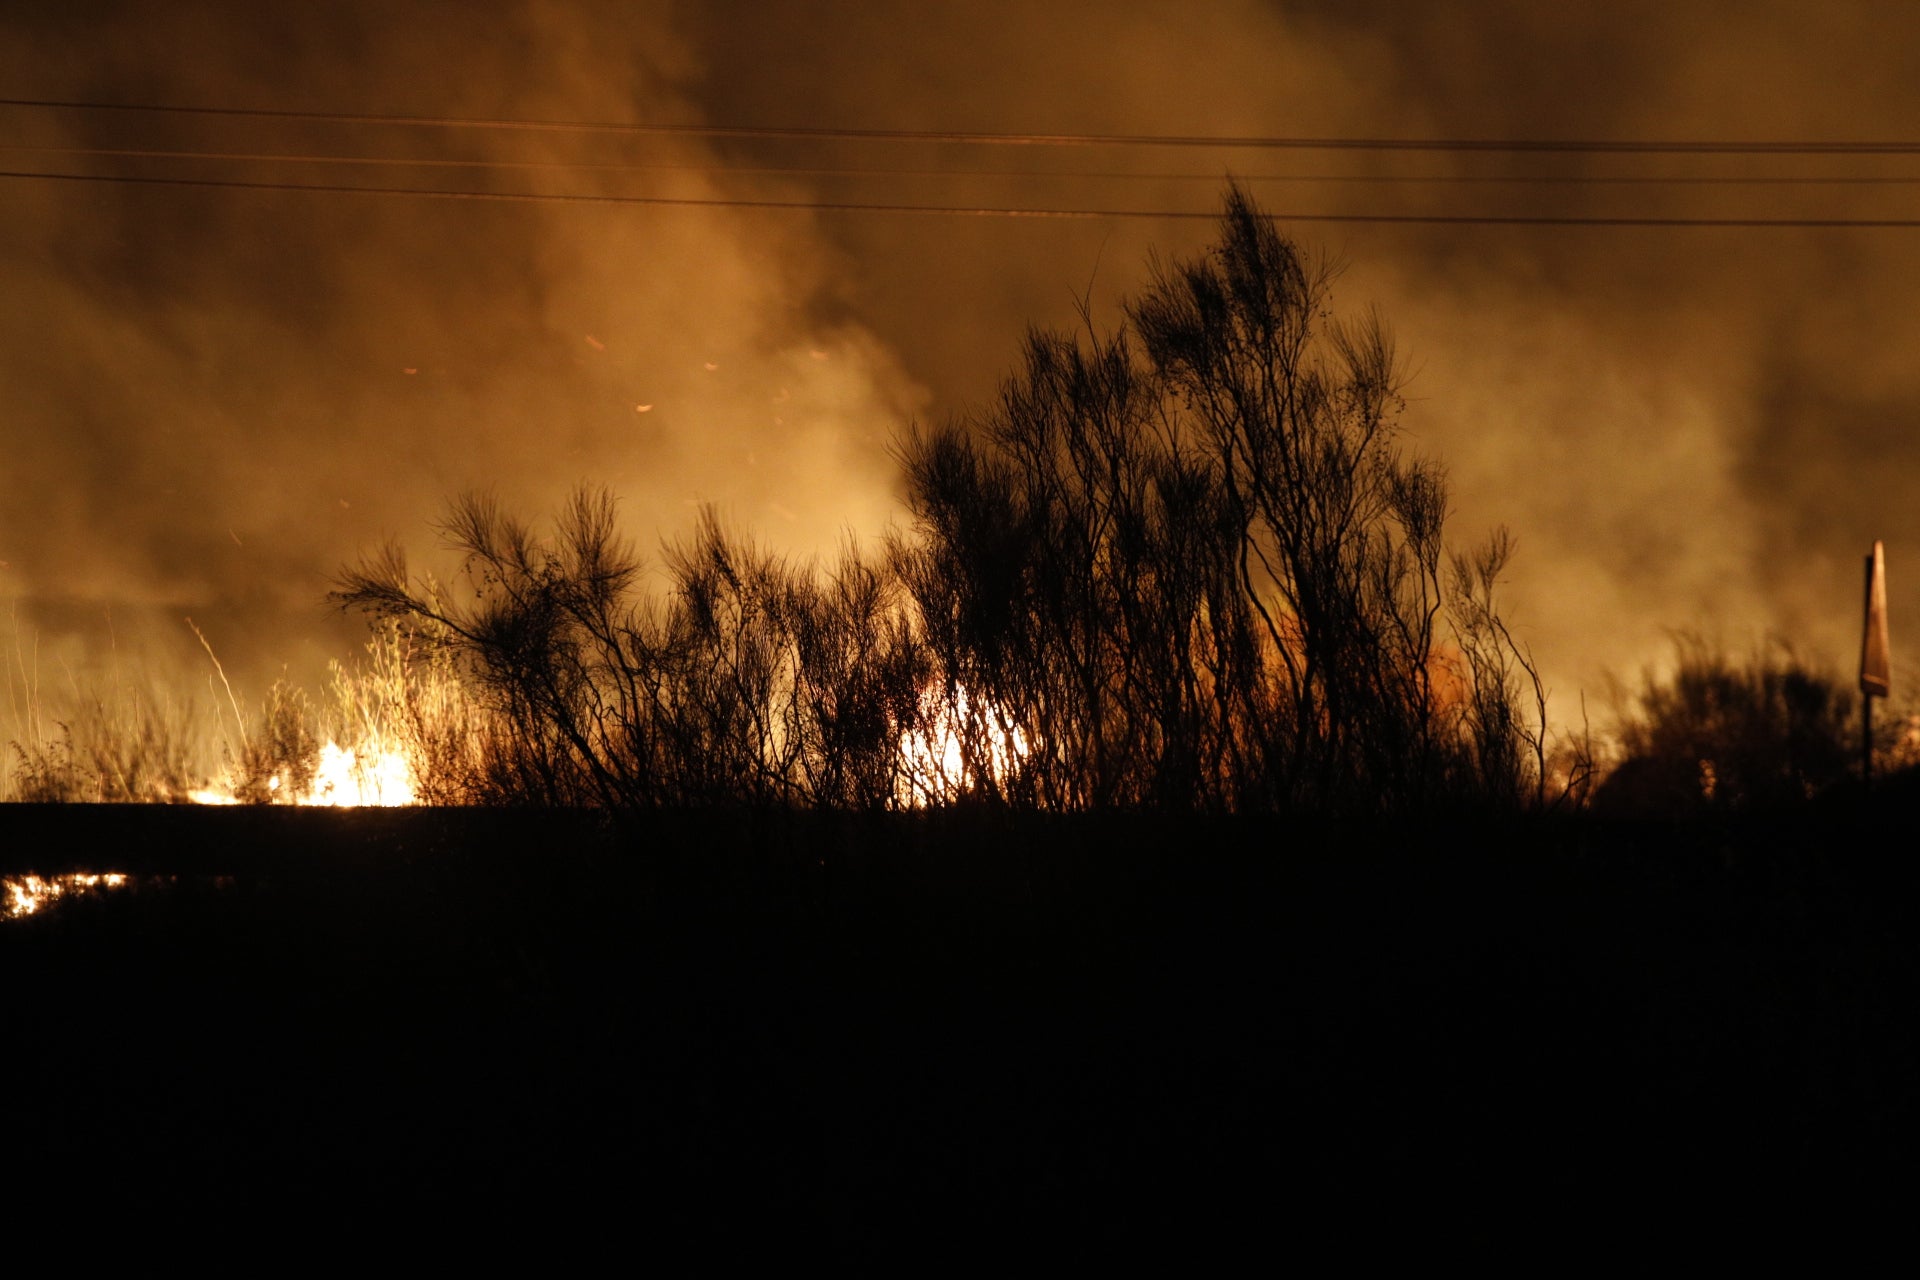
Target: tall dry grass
point(114, 737)
point(123, 740)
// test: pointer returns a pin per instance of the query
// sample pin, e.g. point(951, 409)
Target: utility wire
point(957, 211)
point(882, 171)
point(969, 138)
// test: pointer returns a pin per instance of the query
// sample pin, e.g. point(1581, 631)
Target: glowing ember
point(25, 895)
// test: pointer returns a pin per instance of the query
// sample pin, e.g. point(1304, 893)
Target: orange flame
point(24, 895)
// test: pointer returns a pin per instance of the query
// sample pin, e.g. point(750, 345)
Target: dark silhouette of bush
point(1074, 573)
point(750, 682)
point(1719, 734)
point(1192, 560)
point(1187, 566)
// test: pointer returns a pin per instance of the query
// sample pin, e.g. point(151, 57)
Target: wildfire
point(24, 895)
point(369, 777)
point(934, 757)
point(373, 775)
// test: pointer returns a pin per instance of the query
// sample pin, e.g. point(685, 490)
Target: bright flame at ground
point(934, 758)
point(343, 777)
point(370, 777)
point(24, 895)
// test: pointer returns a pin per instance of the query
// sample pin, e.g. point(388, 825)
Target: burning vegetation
point(1187, 566)
point(130, 748)
point(27, 895)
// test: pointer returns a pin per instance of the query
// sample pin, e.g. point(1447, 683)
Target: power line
point(879, 171)
point(976, 138)
point(847, 206)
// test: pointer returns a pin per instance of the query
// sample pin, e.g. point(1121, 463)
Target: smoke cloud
point(1696, 428)
point(219, 396)
point(215, 397)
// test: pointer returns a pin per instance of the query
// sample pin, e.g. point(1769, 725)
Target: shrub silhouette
point(1720, 734)
point(1193, 562)
point(1074, 575)
point(1184, 566)
point(750, 683)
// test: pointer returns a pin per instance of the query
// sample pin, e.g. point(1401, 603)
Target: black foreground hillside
point(860, 1027)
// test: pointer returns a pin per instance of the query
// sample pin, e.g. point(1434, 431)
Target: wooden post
point(1876, 677)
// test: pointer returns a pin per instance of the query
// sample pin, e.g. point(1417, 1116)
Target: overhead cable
point(887, 171)
point(981, 138)
point(961, 211)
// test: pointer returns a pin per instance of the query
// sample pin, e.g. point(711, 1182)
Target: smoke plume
point(216, 396)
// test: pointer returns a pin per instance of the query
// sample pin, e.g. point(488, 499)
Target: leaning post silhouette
point(1875, 675)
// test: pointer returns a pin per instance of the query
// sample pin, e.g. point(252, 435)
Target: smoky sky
point(214, 398)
